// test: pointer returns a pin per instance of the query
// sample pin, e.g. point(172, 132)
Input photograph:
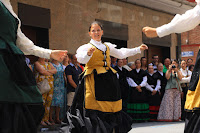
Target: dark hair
point(96, 22)
point(189, 59)
point(141, 61)
point(175, 61)
point(154, 56)
point(137, 60)
point(119, 59)
point(191, 66)
point(70, 55)
point(142, 58)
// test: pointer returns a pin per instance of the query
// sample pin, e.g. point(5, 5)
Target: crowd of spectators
point(150, 92)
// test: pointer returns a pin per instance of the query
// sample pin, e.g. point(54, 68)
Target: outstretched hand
point(58, 55)
point(150, 32)
point(90, 51)
point(143, 47)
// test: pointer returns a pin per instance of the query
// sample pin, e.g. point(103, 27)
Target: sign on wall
point(187, 53)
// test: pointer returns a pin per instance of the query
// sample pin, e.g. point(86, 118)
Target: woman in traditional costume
point(21, 106)
point(137, 106)
point(153, 87)
point(102, 97)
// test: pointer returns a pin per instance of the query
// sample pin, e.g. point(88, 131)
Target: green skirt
point(17, 82)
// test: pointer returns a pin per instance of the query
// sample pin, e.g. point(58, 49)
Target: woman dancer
point(103, 101)
point(20, 100)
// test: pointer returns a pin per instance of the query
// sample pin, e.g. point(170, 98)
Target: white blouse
point(22, 42)
point(82, 57)
point(186, 76)
point(181, 23)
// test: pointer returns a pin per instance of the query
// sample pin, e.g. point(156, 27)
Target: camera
point(173, 66)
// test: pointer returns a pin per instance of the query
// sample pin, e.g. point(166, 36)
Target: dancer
point(20, 100)
point(102, 97)
point(179, 24)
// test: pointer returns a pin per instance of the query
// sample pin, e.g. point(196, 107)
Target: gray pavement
point(158, 127)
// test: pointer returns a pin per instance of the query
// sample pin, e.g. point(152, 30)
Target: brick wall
point(191, 47)
point(190, 41)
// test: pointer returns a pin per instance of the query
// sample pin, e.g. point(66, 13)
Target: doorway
point(161, 51)
point(119, 43)
point(39, 36)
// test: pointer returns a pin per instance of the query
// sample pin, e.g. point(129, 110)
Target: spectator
point(113, 61)
point(72, 72)
point(184, 84)
point(155, 62)
point(65, 62)
point(153, 87)
point(191, 67)
point(162, 77)
point(125, 65)
point(138, 107)
point(131, 65)
point(58, 92)
point(81, 66)
point(170, 108)
point(123, 73)
point(167, 62)
point(143, 63)
point(189, 63)
point(45, 70)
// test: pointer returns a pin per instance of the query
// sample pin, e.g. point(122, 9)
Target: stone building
point(63, 24)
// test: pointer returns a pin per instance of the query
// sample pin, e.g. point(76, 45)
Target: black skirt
point(192, 122)
point(100, 122)
point(105, 122)
point(20, 118)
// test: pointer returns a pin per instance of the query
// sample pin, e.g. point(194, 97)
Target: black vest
point(162, 79)
point(137, 77)
point(152, 80)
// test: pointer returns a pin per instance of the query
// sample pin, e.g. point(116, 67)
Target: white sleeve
point(144, 82)
point(131, 82)
point(148, 87)
point(81, 54)
point(22, 42)
point(28, 48)
point(181, 23)
point(158, 87)
point(123, 52)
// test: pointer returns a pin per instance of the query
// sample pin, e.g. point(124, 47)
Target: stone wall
point(70, 20)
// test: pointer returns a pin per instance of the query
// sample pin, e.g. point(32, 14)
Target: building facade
point(190, 41)
point(67, 25)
